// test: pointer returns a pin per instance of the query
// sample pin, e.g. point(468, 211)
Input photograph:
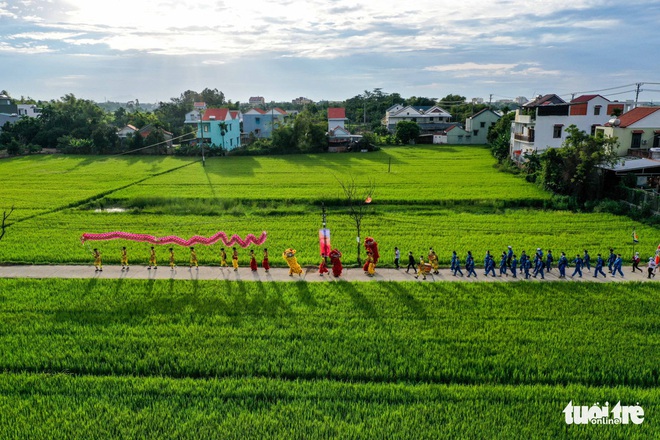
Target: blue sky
point(153, 50)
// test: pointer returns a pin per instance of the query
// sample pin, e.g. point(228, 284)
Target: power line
point(604, 90)
point(152, 145)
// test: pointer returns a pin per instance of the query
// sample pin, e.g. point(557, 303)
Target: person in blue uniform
point(538, 265)
point(469, 265)
point(599, 267)
point(503, 264)
point(526, 267)
point(618, 262)
point(586, 259)
point(453, 261)
point(489, 264)
point(562, 264)
point(578, 266)
point(509, 256)
point(548, 261)
point(523, 261)
point(457, 264)
point(514, 266)
point(610, 260)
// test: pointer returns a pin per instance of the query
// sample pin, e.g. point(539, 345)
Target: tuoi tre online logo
point(603, 415)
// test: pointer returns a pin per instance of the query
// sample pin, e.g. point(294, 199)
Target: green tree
point(573, 169)
point(499, 136)
point(407, 131)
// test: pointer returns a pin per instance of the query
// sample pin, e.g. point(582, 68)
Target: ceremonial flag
point(635, 237)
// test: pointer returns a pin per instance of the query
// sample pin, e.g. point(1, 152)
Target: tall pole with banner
point(324, 236)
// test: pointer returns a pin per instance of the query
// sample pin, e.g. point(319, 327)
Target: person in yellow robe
point(290, 256)
point(193, 258)
point(124, 258)
point(433, 259)
point(172, 263)
point(234, 259)
point(98, 266)
point(152, 258)
point(223, 258)
point(371, 266)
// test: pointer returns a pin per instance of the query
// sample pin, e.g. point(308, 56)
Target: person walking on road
point(610, 260)
point(172, 263)
point(578, 266)
point(152, 258)
point(651, 267)
point(635, 262)
point(193, 258)
point(586, 259)
point(98, 266)
point(411, 263)
point(514, 266)
point(618, 262)
point(503, 264)
point(124, 258)
point(562, 264)
point(469, 265)
point(457, 264)
point(397, 257)
point(548, 261)
point(599, 267)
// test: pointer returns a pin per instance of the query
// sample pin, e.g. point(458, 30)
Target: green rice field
point(449, 198)
point(366, 360)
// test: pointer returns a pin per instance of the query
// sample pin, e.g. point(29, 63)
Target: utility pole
point(637, 90)
point(201, 136)
point(490, 99)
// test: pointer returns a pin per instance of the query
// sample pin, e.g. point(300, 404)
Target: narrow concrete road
point(281, 274)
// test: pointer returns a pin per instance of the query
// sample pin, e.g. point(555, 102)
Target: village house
point(430, 119)
point(261, 122)
point(339, 138)
point(541, 124)
point(219, 127)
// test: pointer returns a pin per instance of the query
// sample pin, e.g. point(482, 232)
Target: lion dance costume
point(371, 246)
point(335, 256)
point(290, 256)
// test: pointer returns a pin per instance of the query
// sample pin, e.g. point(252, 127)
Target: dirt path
point(280, 274)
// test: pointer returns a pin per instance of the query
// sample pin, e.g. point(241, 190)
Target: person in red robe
point(253, 261)
point(370, 245)
point(323, 268)
point(337, 268)
point(265, 262)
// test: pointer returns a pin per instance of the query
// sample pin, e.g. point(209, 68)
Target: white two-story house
point(542, 122)
point(429, 118)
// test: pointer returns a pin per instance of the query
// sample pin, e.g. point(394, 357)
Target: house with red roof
point(637, 131)
point(339, 138)
point(219, 127)
point(260, 122)
point(541, 123)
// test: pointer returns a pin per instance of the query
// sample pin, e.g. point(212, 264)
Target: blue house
point(260, 122)
point(220, 127)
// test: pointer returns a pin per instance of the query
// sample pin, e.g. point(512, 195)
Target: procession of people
point(507, 263)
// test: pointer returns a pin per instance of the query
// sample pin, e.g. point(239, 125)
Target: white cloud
point(471, 69)
point(24, 49)
point(309, 28)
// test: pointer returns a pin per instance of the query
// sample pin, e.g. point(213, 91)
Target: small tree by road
point(358, 201)
point(5, 225)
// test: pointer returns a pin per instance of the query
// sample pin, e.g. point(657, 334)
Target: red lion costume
point(335, 256)
point(371, 246)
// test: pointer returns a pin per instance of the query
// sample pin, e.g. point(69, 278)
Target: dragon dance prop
point(173, 239)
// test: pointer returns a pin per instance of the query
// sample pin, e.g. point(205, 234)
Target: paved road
point(277, 274)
